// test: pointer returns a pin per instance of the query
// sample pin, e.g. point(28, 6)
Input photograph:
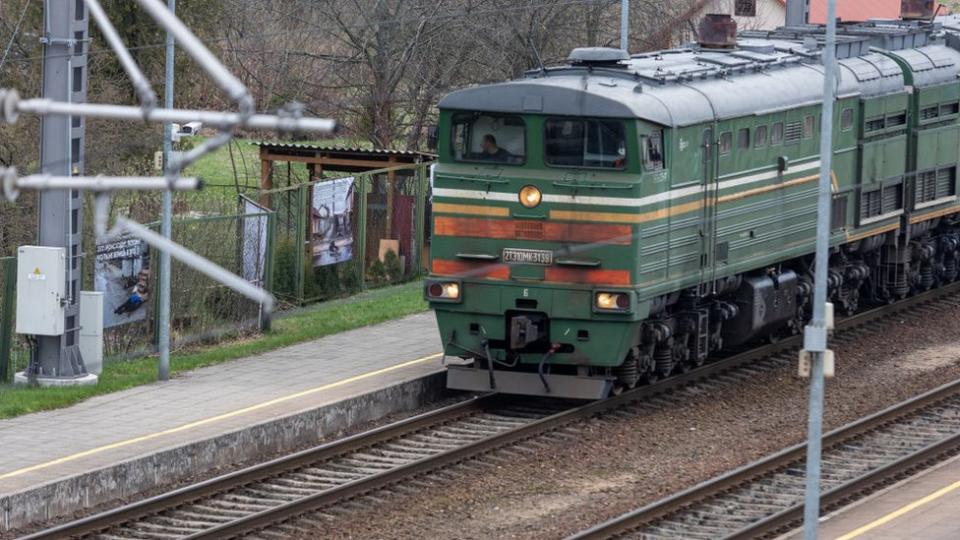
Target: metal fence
point(384, 227)
point(384, 219)
point(14, 354)
point(203, 310)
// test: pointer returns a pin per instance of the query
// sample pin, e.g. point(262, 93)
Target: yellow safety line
point(901, 511)
point(213, 419)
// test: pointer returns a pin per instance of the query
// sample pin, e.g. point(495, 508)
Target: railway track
point(261, 500)
point(766, 497)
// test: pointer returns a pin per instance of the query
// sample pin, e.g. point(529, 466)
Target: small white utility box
point(91, 330)
point(41, 290)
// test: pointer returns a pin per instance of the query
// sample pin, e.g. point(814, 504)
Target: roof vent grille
point(598, 56)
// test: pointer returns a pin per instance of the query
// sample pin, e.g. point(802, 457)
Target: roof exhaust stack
point(916, 9)
point(718, 31)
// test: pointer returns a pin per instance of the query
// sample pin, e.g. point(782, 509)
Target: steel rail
point(785, 458)
point(165, 501)
point(254, 521)
point(794, 456)
point(864, 484)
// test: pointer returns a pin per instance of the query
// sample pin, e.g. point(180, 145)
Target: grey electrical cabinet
point(41, 290)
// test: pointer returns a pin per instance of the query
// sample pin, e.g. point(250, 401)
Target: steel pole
point(60, 212)
point(815, 336)
point(797, 12)
point(625, 25)
point(166, 222)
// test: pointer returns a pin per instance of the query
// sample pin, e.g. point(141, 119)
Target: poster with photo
point(331, 228)
point(254, 253)
point(122, 274)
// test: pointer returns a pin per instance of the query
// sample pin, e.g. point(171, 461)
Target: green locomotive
point(620, 218)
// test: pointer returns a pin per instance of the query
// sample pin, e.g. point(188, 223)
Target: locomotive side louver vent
point(892, 198)
point(946, 180)
point(870, 204)
point(793, 132)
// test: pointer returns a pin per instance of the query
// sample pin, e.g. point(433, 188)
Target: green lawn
point(294, 327)
point(216, 170)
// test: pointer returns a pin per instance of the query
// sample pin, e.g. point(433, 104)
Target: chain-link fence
point(14, 353)
point(304, 243)
point(203, 310)
point(335, 236)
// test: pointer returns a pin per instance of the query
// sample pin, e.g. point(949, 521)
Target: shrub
point(285, 268)
point(378, 273)
point(392, 267)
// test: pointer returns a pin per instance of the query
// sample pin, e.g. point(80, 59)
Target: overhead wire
point(16, 30)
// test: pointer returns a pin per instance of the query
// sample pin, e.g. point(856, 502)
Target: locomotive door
point(708, 211)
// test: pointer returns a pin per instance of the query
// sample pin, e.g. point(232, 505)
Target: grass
point(217, 171)
point(294, 327)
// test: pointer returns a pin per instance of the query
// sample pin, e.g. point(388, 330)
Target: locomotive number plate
point(528, 256)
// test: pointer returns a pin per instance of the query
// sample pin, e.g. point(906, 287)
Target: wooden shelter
point(395, 222)
point(340, 159)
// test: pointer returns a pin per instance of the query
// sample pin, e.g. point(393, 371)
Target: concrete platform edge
point(135, 476)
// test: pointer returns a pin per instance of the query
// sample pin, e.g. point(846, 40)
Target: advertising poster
point(122, 274)
point(254, 241)
point(331, 230)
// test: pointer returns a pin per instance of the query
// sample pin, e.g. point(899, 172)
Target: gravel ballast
point(621, 461)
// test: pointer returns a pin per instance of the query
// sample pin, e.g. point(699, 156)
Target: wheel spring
point(628, 373)
point(663, 358)
point(950, 268)
point(926, 276)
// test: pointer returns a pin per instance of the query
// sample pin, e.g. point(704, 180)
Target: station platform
point(122, 444)
point(924, 506)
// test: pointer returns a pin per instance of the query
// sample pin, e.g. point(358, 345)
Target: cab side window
point(760, 137)
point(652, 148)
point(726, 143)
point(776, 136)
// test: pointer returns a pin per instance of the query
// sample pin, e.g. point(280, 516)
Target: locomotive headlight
point(530, 196)
point(443, 290)
point(611, 301)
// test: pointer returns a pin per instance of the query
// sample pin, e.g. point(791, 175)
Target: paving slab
point(120, 444)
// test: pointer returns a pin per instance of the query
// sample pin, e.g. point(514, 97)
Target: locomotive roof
point(690, 86)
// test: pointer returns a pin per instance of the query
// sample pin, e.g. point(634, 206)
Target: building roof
point(858, 10)
point(272, 145)
point(340, 158)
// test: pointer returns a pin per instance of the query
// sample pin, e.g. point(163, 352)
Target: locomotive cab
point(542, 272)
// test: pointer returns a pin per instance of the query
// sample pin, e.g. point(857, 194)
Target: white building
point(769, 14)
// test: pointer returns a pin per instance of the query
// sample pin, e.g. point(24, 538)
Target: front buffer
point(544, 340)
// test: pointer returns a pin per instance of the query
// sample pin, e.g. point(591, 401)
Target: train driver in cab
point(492, 152)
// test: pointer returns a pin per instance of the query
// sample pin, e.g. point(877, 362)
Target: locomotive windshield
point(489, 138)
point(590, 143)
